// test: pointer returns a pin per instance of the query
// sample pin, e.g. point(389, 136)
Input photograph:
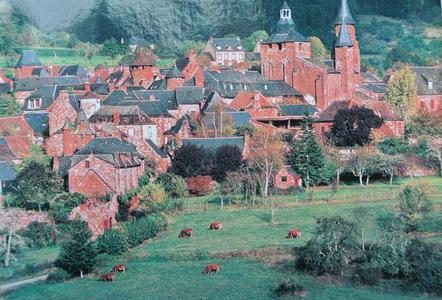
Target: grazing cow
point(185, 233)
point(216, 226)
point(119, 268)
point(108, 277)
point(294, 234)
point(211, 268)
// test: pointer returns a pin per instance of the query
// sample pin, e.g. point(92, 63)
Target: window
point(233, 56)
point(226, 56)
point(220, 57)
point(266, 87)
point(284, 178)
point(87, 164)
point(130, 132)
point(430, 85)
point(34, 103)
point(240, 56)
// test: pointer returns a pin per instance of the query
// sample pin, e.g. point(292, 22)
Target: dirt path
point(13, 285)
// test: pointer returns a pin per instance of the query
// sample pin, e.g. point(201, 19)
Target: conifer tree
point(78, 255)
point(307, 155)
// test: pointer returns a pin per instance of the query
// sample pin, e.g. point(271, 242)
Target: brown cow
point(211, 268)
point(185, 233)
point(294, 234)
point(119, 268)
point(216, 226)
point(108, 277)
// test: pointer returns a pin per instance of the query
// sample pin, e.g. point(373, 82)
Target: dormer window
point(218, 47)
point(245, 87)
point(430, 85)
point(34, 103)
point(266, 87)
point(87, 164)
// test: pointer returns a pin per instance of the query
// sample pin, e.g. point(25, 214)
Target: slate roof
point(227, 44)
point(343, 39)
point(189, 95)
point(239, 118)
point(211, 144)
point(28, 58)
point(228, 83)
point(328, 64)
point(179, 124)
point(424, 75)
point(375, 87)
point(47, 94)
point(115, 97)
point(6, 172)
point(39, 71)
point(160, 84)
point(297, 110)
point(344, 15)
point(174, 73)
point(100, 88)
point(182, 63)
point(167, 97)
point(6, 153)
point(107, 146)
point(39, 122)
point(253, 56)
point(122, 110)
point(33, 83)
point(156, 149)
point(74, 70)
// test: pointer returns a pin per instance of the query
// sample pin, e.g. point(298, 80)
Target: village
point(114, 146)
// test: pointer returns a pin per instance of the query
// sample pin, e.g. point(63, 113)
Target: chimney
point(68, 143)
point(116, 117)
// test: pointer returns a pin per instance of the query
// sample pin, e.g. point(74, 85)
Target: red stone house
point(103, 166)
point(286, 178)
point(191, 69)
point(143, 69)
point(225, 51)
point(393, 124)
point(286, 55)
point(429, 88)
point(255, 104)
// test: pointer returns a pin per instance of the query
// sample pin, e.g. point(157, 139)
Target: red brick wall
point(429, 103)
point(291, 180)
point(173, 83)
point(143, 75)
point(60, 111)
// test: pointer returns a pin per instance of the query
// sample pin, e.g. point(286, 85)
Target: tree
point(306, 154)
point(35, 185)
point(352, 126)
point(391, 164)
point(174, 185)
point(37, 155)
point(249, 43)
point(191, 160)
point(318, 49)
point(77, 255)
point(62, 204)
point(338, 161)
point(227, 158)
point(113, 48)
point(88, 49)
point(401, 93)
point(414, 202)
point(363, 220)
point(360, 162)
point(8, 106)
point(266, 156)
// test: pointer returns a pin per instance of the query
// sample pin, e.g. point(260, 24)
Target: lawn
point(169, 268)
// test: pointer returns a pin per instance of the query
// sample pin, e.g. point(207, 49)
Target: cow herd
point(187, 233)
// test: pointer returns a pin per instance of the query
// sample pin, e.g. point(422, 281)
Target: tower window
point(87, 164)
point(430, 85)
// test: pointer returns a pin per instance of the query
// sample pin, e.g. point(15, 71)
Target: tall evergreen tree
point(78, 255)
point(307, 156)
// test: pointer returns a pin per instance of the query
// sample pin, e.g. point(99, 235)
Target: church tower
point(346, 51)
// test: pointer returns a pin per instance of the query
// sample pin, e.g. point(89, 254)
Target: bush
point(368, 273)
point(39, 235)
point(174, 185)
point(152, 198)
point(200, 185)
point(191, 160)
point(61, 206)
point(290, 286)
point(58, 275)
point(173, 205)
point(144, 228)
point(414, 202)
point(112, 241)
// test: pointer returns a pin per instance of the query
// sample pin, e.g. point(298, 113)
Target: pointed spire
point(285, 6)
point(174, 73)
point(344, 39)
point(344, 14)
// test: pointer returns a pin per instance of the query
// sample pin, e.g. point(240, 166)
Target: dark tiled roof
point(370, 78)
point(327, 63)
point(179, 124)
point(253, 56)
point(423, 76)
point(74, 70)
point(211, 144)
point(65, 164)
point(238, 119)
point(190, 82)
point(160, 84)
point(47, 94)
point(4, 88)
point(100, 88)
point(74, 100)
point(174, 73)
point(107, 146)
point(156, 149)
point(344, 39)
point(122, 110)
point(28, 58)
point(33, 83)
point(344, 15)
point(296, 110)
point(164, 71)
point(375, 87)
point(143, 58)
point(166, 97)
point(39, 71)
point(329, 113)
point(182, 63)
point(115, 97)
point(291, 36)
point(6, 172)
point(227, 44)
point(189, 95)
point(39, 122)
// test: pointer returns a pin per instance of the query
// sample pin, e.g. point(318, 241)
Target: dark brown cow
point(216, 226)
point(211, 268)
point(119, 268)
point(185, 233)
point(108, 277)
point(294, 234)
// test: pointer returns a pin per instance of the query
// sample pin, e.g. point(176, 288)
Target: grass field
point(251, 252)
